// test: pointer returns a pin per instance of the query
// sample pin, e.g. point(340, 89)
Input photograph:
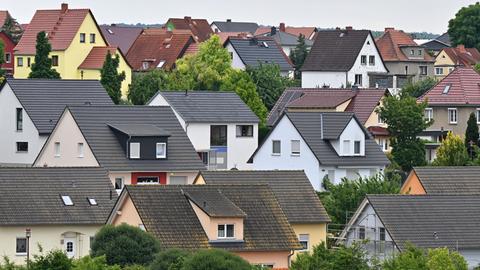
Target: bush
point(96, 263)
point(54, 260)
point(215, 259)
point(412, 258)
point(124, 245)
point(170, 259)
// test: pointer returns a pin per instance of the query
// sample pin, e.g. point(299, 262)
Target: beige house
point(450, 58)
point(244, 219)
point(63, 210)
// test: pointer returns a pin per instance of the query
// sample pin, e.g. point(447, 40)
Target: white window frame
point(57, 149)
point(346, 143)
point(182, 176)
point(294, 151)
point(371, 63)
point(304, 238)
point(92, 201)
point(148, 183)
point(477, 114)
point(130, 150)
point(225, 230)
point(121, 185)
point(360, 82)
point(359, 148)
point(379, 119)
point(83, 38)
point(19, 61)
point(429, 113)
point(164, 145)
point(363, 63)
point(94, 39)
point(450, 120)
point(8, 58)
point(438, 69)
point(422, 68)
point(67, 200)
point(81, 149)
point(161, 63)
point(273, 148)
point(26, 246)
point(145, 65)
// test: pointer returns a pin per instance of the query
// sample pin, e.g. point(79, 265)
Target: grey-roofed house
point(294, 193)
point(390, 222)
point(63, 208)
point(135, 144)
point(122, 37)
point(342, 57)
point(230, 26)
point(221, 127)
point(323, 144)
point(251, 51)
point(437, 44)
point(31, 108)
point(287, 41)
point(244, 219)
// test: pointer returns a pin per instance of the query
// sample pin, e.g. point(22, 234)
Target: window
point(118, 183)
point(420, 52)
point(358, 79)
point(361, 233)
point(295, 147)
point(161, 63)
point(178, 180)
point(218, 135)
point(381, 232)
point(92, 38)
point(8, 58)
point(446, 89)
point(161, 150)
point(346, 147)
point(423, 70)
point(363, 59)
point(134, 150)
point(67, 200)
point(379, 119)
point(303, 239)
point(145, 65)
point(371, 60)
point(231, 55)
point(244, 131)
point(276, 147)
point(57, 149)
point(452, 115)
point(438, 71)
point(478, 115)
point(226, 231)
point(21, 247)
point(69, 247)
point(82, 37)
point(29, 62)
point(384, 144)
point(22, 147)
point(356, 147)
point(19, 61)
point(19, 116)
point(204, 157)
point(92, 201)
point(147, 180)
point(428, 114)
point(80, 150)
point(55, 60)
point(412, 52)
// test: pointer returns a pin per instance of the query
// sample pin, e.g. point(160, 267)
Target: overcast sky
point(420, 15)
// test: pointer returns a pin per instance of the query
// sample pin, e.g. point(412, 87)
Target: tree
point(42, 68)
point(170, 259)
point(464, 28)
point(145, 86)
point(124, 245)
point(215, 259)
point(110, 78)
point(12, 28)
point(444, 259)
point(2, 60)
point(54, 260)
point(416, 89)
point(96, 263)
point(452, 152)
point(471, 135)
point(405, 120)
point(298, 55)
point(412, 258)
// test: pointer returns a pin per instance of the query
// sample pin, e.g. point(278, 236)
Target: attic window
point(446, 89)
point(167, 46)
point(161, 150)
point(161, 63)
point(92, 201)
point(110, 31)
point(264, 44)
point(225, 231)
point(67, 200)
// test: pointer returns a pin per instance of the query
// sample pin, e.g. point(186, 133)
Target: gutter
point(289, 257)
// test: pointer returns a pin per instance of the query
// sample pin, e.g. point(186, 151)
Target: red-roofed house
point(8, 43)
point(200, 28)
point(449, 58)
point(77, 45)
point(307, 32)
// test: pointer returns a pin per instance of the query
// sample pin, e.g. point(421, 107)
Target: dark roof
point(252, 52)
point(449, 180)
point(214, 203)
point(167, 214)
point(44, 100)
point(94, 122)
point(229, 26)
point(121, 36)
point(292, 189)
point(416, 218)
point(32, 196)
point(140, 130)
point(287, 39)
point(209, 106)
point(335, 50)
point(445, 39)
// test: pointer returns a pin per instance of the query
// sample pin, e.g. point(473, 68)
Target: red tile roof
point(378, 131)
point(3, 17)
point(296, 31)
point(463, 56)
point(391, 41)
point(225, 35)
point(60, 25)
point(200, 28)
point(463, 85)
point(96, 57)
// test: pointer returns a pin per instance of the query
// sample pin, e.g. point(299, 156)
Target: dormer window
point(134, 150)
point(145, 65)
point(356, 147)
point(161, 150)
point(226, 231)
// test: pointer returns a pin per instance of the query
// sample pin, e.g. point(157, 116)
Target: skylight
point(446, 89)
point(67, 200)
point(265, 44)
point(110, 31)
point(161, 63)
point(92, 201)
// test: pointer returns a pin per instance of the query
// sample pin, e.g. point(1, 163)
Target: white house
point(324, 144)
point(221, 127)
point(30, 109)
point(342, 57)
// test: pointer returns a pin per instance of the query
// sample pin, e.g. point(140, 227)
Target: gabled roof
point(335, 50)
point(95, 121)
point(430, 221)
point(214, 203)
point(287, 39)
point(390, 43)
point(121, 36)
point(293, 30)
point(200, 28)
point(363, 101)
point(209, 106)
point(449, 180)
point(459, 87)
point(44, 100)
point(293, 190)
point(252, 52)
point(445, 39)
point(463, 56)
point(167, 214)
point(32, 196)
point(229, 26)
point(96, 57)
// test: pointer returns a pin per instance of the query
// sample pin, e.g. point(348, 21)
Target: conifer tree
point(110, 78)
point(12, 28)
point(471, 135)
point(42, 68)
point(2, 72)
point(298, 55)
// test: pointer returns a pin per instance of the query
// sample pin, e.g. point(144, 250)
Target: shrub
point(54, 260)
point(170, 259)
point(215, 259)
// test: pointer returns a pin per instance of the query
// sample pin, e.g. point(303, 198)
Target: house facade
point(8, 45)
point(200, 28)
point(287, 41)
point(340, 58)
point(450, 58)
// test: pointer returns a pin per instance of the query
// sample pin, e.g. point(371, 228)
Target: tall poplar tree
point(42, 68)
point(110, 78)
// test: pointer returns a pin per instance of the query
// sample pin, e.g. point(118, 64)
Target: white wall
point(236, 60)
point(9, 136)
point(313, 79)
point(353, 132)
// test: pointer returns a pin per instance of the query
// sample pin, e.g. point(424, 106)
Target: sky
point(408, 15)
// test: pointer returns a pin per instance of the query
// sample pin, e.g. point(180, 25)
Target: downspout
point(289, 258)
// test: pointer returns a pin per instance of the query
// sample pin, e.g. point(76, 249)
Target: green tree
point(412, 258)
point(471, 135)
point(124, 245)
point(405, 120)
point(53, 260)
point(12, 28)
point(144, 86)
point(169, 259)
point(465, 27)
point(110, 78)
point(452, 152)
point(42, 68)
point(416, 89)
point(2, 60)
point(215, 259)
point(298, 55)
point(96, 263)
point(444, 259)
point(269, 82)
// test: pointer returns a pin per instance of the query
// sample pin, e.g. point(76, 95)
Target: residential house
point(362, 102)
point(434, 46)
point(405, 59)
point(221, 127)
point(135, 144)
point(450, 103)
point(307, 32)
point(294, 193)
point(158, 49)
point(200, 28)
point(287, 41)
point(392, 222)
point(62, 208)
point(342, 57)
point(121, 37)
point(442, 180)
point(252, 51)
point(8, 45)
point(78, 46)
point(244, 219)
point(450, 58)
point(230, 26)
point(30, 109)
point(323, 144)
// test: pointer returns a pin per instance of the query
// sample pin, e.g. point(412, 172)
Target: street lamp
point(28, 234)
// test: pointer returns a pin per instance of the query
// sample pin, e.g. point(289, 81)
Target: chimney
point(387, 29)
point(229, 20)
point(461, 48)
point(282, 27)
point(273, 30)
point(337, 28)
point(64, 7)
point(349, 28)
point(188, 18)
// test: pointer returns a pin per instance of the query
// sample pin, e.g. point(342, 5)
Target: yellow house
point(78, 46)
point(294, 193)
point(450, 58)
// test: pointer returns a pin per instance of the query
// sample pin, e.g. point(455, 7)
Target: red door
point(149, 178)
